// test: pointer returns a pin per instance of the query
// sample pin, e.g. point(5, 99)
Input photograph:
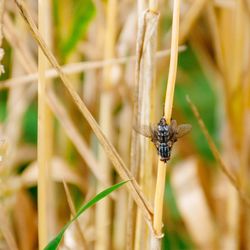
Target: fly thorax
point(163, 133)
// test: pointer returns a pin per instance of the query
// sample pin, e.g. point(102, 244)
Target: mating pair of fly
point(164, 136)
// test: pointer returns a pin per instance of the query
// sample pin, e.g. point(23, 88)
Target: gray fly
point(164, 136)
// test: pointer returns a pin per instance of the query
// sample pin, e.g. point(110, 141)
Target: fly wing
point(154, 136)
point(173, 124)
point(148, 131)
point(173, 127)
point(144, 130)
point(183, 129)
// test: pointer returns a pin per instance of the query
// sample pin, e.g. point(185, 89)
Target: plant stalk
point(160, 182)
point(103, 208)
point(44, 132)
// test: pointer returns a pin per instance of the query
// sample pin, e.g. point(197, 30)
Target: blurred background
point(95, 41)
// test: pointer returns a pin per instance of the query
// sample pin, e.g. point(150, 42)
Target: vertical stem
point(135, 149)
point(173, 62)
point(160, 182)
point(159, 196)
point(145, 109)
point(2, 4)
point(103, 208)
point(153, 5)
point(44, 131)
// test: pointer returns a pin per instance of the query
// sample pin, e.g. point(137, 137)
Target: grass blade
point(56, 241)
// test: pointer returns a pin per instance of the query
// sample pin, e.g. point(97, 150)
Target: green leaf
point(84, 12)
point(3, 106)
point(53, 244)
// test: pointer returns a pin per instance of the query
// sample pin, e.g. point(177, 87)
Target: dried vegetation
point(76, 76)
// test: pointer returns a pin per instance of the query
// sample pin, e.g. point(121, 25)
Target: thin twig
point(160, 182)
point(173, 63)
point(217, 155)
point(74, 68)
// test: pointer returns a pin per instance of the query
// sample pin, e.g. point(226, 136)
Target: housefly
point(164, 136)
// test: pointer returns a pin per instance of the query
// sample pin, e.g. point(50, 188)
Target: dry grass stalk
point(16, 41)
point(20, 97)
point(74, 68)
point(145, 110)
point(60, 170)
point(103, 223)
point(135, 149)
point(243, 174)
point(232, 179)
point(223, 55)
point(108, 147)
point(160, 182)
point(158, 205)
point(233, 42)
point(6, 230)
point(153, 5)
point(189, 19)
point(147, 24)
point(122, 236)
point(45, 137)
point(75, 136)
point(213, 24)
point(2, 7)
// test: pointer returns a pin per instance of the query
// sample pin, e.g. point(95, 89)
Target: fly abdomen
point(164, 151)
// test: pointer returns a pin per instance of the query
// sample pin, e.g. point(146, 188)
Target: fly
point(164, 136)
